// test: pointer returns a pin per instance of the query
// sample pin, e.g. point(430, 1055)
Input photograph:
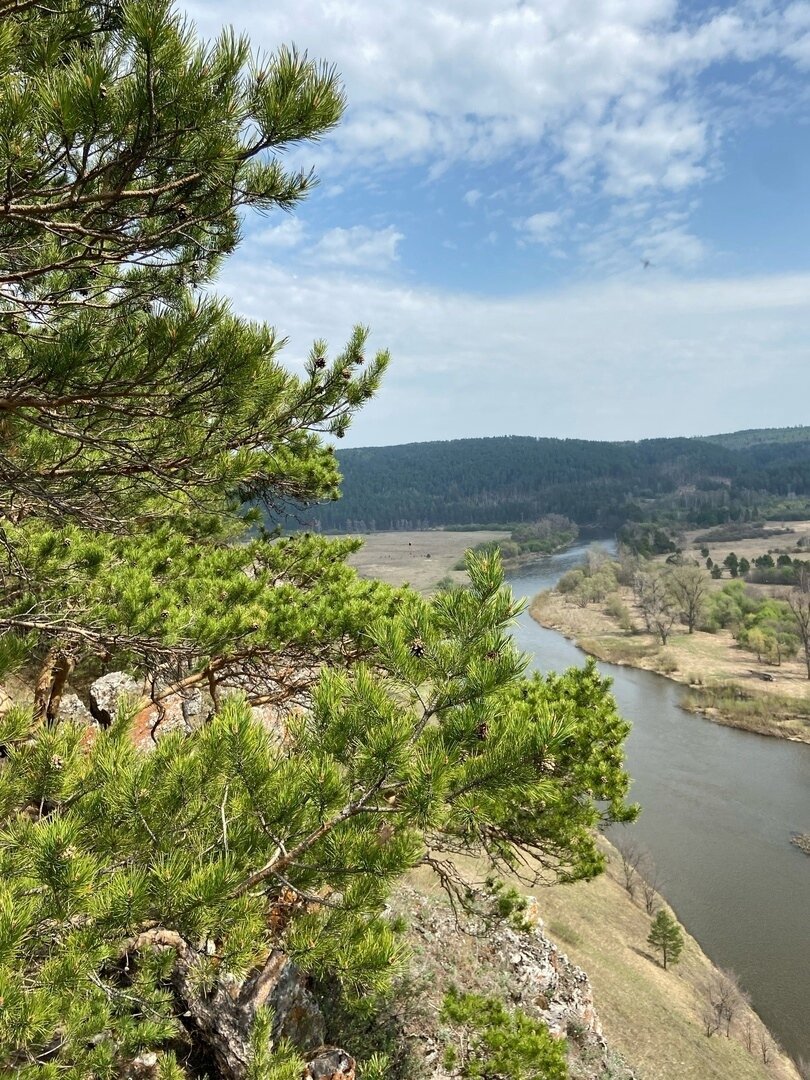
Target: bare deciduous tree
point(650, 882)
point(631, 856)
point(749, 1034)
point(724, 1000)
point(654, 600)
point(689, 588)
point(799, 603)
point(767, 1045)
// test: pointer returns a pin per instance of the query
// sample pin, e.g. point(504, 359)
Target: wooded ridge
point(599, 485)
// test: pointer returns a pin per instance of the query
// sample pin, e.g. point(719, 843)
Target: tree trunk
point(53, 675)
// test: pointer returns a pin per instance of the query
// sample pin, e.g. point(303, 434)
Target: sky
point(571, 218)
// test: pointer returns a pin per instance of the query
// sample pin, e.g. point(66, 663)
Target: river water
point(718, 808)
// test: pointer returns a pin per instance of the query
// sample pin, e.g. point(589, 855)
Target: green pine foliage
point(233, 837)
point(146, 430)
point(130, 150)
point(489, 1040)
point(666, 936)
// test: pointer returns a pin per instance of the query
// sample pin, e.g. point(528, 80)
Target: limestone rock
point(72, 708)
point(224, 1017)
point(522, 967)
point(143, 1067)
point(331, 1064)
point(106, 692)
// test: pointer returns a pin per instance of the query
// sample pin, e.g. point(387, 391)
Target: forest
point(600, 486)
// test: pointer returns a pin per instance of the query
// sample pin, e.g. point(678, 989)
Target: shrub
point(497, 1042)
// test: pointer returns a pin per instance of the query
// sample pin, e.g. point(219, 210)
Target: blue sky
point(504, 172)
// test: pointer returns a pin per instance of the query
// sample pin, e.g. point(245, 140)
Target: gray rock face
point(224, 1017)
point(72, 708)
point(522, 967)
point(331, 1064)
point(106, 692)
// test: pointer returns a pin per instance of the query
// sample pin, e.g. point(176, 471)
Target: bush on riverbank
point(547, 536)
point(768, 713)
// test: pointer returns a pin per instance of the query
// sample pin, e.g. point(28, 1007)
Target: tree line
point(598, 485)
point(677, 594)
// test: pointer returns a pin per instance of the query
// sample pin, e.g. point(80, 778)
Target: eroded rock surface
point(521, 967)
point(106, 692)
point(223, 1018)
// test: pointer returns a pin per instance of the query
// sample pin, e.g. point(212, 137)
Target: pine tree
point(665, 934)
point(141, 419)
point(138, 413)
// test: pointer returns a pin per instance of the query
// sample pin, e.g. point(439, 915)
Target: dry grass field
point(751, 548)
point(651, 1016)
point(419, 559)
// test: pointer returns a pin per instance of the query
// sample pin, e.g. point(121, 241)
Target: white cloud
point(358, 246)
point(471, 197)
point(638, 356)
point(289, 233)
point(607, 91)
point(540, 228)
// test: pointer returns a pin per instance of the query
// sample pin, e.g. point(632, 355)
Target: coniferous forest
point(598, 485)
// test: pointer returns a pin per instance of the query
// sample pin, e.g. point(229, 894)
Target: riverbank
point(654, 1019)
point(725, 683)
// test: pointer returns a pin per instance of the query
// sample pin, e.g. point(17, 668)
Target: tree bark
point(53, 675)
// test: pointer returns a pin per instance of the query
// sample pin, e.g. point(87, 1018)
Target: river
point(718, 808)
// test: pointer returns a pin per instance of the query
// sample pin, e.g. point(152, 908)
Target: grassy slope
point(651, 1016)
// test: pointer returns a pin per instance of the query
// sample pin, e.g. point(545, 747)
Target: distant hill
point(740, 440)
point(599, 485)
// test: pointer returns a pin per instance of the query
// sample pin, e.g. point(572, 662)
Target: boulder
point(106, 692)
point(72, 708)
point(330, 1063)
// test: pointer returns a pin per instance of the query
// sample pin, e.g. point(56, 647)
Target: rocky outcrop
point(106, 692)
point(183, 709)
point(522, 967)
point(331, 1064)
point(223, 1017)
point(74, 710)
